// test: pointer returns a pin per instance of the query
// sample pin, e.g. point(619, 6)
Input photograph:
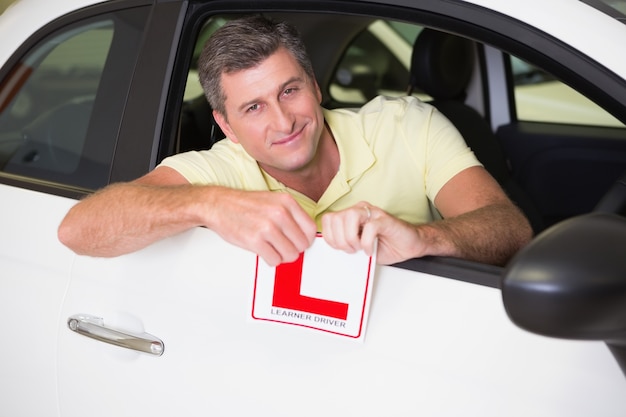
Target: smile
point(287, 140)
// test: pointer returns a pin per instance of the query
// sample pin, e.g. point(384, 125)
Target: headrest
point(441, 64)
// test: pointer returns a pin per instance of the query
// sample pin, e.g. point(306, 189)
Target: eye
point(252, 108)
point(290, 91)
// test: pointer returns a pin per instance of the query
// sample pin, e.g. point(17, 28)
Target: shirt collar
point(350, 140)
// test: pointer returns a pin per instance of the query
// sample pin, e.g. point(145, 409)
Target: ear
point(225, 126)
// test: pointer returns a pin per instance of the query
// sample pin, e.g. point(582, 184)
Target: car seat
point(441, 66)
point(198, 129)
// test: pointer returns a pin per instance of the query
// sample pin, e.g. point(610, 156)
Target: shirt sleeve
point(447, 154)
point(225, 164)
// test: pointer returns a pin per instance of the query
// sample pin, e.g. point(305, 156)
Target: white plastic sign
point(324, 289)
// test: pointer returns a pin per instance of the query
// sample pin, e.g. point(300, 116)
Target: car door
point(34, 277)
point(55, 143)
point(433, 345)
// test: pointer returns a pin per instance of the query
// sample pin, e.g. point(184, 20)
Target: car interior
point(441, 69)
point(442, 66)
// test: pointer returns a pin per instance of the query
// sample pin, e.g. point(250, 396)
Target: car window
point(376, 62)
point(540, 97)
point(48, 99)
point(193, 89)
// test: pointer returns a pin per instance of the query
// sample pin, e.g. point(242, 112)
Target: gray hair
point(243, 44)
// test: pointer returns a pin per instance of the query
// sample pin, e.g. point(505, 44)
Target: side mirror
point(570, 282)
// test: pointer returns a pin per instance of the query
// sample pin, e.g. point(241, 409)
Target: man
point(290, 168)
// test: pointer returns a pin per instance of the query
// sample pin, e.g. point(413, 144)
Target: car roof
point(574, 22)
point(571, 21)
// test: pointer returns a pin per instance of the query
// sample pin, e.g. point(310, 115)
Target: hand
point(273, 225)
point(365, 227)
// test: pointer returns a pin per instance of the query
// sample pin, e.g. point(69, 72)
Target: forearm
point(126, 217)
point(491, 234)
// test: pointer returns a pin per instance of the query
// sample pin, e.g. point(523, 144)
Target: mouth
point(287, 140)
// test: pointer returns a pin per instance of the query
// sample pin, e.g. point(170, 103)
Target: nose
point(283, 119)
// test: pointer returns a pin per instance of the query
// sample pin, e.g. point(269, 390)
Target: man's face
point(273, 110)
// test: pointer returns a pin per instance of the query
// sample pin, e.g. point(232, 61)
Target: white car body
point(434, 346)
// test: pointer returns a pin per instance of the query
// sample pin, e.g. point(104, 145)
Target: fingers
point(288, 234)
point(306, 230)
point(276, 251)
point(369, 238)
point(272, 225)
point(373, 230)
point(352, 229)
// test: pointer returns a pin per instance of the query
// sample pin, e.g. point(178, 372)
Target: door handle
point(93, 327)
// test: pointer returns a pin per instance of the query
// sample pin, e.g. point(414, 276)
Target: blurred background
point(4, 4)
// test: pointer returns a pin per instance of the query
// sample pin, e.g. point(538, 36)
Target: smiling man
point(395, 171)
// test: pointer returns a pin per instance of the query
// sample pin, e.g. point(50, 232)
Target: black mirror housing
point(570, 282)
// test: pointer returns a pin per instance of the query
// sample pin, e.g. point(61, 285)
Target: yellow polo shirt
point(395, 153)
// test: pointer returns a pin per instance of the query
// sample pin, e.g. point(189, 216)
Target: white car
point(95, 92)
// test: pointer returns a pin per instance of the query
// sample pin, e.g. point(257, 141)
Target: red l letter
point(287, 282)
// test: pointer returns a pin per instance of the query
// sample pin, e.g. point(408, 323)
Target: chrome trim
point(93, 327)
